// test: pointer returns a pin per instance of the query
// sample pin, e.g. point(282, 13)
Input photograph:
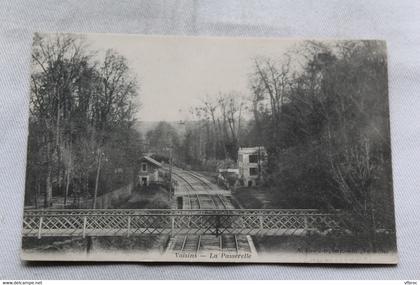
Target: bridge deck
point(174, 222)
point(158, 231)
point(184, 192)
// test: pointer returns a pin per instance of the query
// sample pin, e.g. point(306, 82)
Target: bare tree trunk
point(38, 186)
point(48, 189)
point(216, 136)
point(68, 174)
point(207, 139)
point(238, 132)
point(57, 141)
point(67, 187)
point(98, 171)
point(222, 139)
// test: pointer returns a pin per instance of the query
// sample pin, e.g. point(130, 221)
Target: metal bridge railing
point(122, 222)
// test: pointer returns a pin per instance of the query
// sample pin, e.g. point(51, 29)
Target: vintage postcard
point(189, 149)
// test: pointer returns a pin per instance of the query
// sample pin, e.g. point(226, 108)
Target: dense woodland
point(81, 140)
point(321, 111)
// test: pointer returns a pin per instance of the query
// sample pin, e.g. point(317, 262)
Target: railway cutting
point(198, 193)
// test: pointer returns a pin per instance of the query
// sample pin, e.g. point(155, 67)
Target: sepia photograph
point(206, 149)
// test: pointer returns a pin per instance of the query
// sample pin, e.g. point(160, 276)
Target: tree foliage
point(326, 129)
point(81, 108)
point(321, 111)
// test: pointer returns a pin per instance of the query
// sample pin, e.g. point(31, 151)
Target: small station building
point(149, 171)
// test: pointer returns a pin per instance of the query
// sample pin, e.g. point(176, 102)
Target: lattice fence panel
point(125, 222)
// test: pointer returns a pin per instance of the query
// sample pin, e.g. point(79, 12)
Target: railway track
point(226, 204)
point(192, 198)
point(204, 243)
point(200, 193)
point(212, 199)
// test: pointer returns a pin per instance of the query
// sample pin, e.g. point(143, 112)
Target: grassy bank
point(256, 198)
point(319, 243)
point(152, 197)
point(79, 244)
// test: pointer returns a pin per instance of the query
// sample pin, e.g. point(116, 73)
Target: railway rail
point(210, 200)
point(194, 203)
point(216, 197)
point(204, 243)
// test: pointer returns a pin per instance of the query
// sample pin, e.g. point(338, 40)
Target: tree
point(216, 130)
point(57, 63)
point(163, 137)
point(112, 106)
point(326, 129)
point(76, 107)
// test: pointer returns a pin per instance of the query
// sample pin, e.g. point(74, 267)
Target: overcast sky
point(175, 73)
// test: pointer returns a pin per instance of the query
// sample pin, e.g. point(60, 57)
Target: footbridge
point(126, 222)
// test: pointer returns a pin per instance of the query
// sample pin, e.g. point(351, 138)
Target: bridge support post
point(84, 226)
point(172, 225)
point(128, 225)
point(306, 226)
point(217, 225)
point(40, 227)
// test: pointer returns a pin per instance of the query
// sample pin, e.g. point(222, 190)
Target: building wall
point(150, 173)
point(250, 164)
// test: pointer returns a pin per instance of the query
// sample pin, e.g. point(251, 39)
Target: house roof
point(152, 161)
point(250, 150)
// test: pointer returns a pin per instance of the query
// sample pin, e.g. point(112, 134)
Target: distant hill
point(144, 126)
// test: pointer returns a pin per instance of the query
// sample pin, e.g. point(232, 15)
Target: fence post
point(84, 226)
point(305, 222)
point(217, 224)
point(172, 225)
point(40, 227)
point(261, 223)
point(128, 226)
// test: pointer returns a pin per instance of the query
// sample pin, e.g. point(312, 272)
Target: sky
point(176, 73)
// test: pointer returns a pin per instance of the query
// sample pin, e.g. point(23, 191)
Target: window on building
point(253, 158)
point(253, 171)
point(143, 167)
point(144, 181)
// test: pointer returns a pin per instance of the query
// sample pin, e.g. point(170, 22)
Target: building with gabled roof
point(149, 171)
